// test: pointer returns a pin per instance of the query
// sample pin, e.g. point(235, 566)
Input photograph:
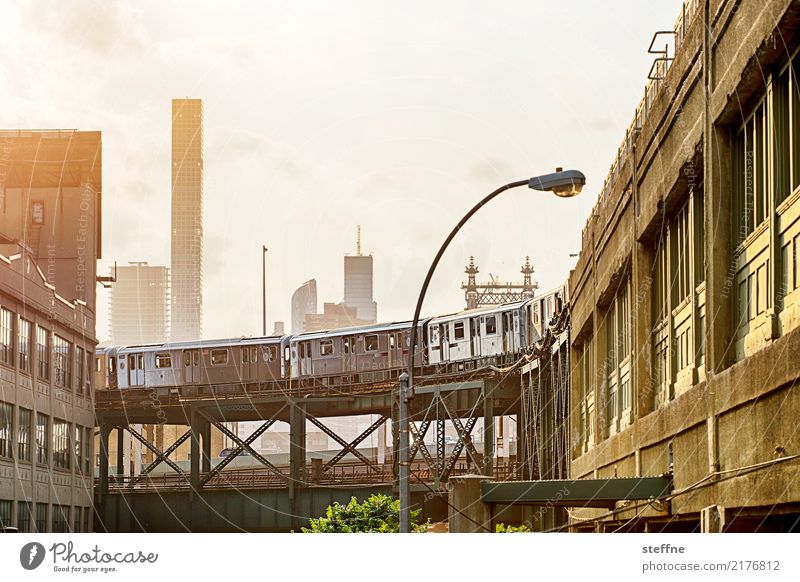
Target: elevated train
point(449, 343)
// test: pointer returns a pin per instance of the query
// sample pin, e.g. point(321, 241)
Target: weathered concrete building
point(50, 194)
point(685, 301)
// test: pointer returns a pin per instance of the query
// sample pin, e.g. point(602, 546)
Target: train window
point(132, 362)
point(187, 359)
point(491, 325)
point(163, 361)
point(219, 357)
point(302, 350)
point(371, 343)
point(141, 361)
point(245, 356)
point(112, 364)
point(271, 354)
point(346, 345)
point(391, 341)
point(326, 347)
point(254, 355)
point(98, 367)
point(458, 330)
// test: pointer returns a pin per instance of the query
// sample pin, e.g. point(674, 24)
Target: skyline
point(349, 118)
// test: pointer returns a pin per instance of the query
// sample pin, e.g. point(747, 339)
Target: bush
point(379, 513)
point(503, 528)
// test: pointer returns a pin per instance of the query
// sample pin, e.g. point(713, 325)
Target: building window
point(219, 357)
point(62, 360)
point(60, 519)
point(6, 429)
point(88, 377)
point(23, 516)
point(78, 448)
point(87, 453)
point(42, 456)
point(43, 352)
point(165, 360)
point(24, 434)
point(491, 325)
point(6, 336)
point(76, 519)
point(61, 448)
point(80, 370)
point(41, 517)
point(5, 513)
point(458, 330)
point(326, 347)
point(24, 345)
point(371, 343)
point(618, 359)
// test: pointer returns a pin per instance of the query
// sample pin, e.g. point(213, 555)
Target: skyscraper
point(187, 219)
point(304, 302)
point(358, 283)
point(139, 305)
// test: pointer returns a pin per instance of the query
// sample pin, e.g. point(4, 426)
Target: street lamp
point(562, 183)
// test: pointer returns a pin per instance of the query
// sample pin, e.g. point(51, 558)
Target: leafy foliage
point(503, 528)
point(379, 513)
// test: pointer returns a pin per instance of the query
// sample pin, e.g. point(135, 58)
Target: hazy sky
point(322, 115)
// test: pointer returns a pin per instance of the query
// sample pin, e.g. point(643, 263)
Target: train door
point(191, 366)
point(516, 335)
point(475, 336)
point(135, 370)
point(444, 338)
point(249, 363)
point(305, 359)
point(506, 332)
point(348, 353)
point(395, 350)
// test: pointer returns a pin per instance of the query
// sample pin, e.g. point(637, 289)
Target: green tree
point(379, 513)
point(503, 528)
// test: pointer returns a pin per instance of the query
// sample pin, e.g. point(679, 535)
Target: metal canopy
point(575, 492)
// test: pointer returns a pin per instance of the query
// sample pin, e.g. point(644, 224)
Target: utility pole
point(264, 288)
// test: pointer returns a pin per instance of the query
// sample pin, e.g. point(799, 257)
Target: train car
point(237, 360)
point(541, 309)
point(477, 333)
point(105, 368)
point(356, 353)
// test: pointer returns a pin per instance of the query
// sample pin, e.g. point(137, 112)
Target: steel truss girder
point(160, 456)
point(239, 448)
point(348, 447)
point(463, 433)
point(224, 430)
point(419, 444)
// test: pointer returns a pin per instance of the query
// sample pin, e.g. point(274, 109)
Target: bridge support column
point(196, 428)
point(488, 431)
point(468, 514)
point(297, 445)
point(120, 451)
point(206, 447)
point(105, 436)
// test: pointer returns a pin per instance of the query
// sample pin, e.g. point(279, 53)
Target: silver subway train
point(449, 343)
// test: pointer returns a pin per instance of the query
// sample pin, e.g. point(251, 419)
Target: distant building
point(334, 316)
point(278, 328)
point(50, 209)
point(304, 303)
point(358, 284)
point(139, 306)
point(187, 219)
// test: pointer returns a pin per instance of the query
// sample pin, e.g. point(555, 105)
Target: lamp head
point(562, 183)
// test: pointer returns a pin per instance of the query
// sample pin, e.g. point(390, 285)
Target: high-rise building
point(187, 219)
point(358, 284)
point(304, 302)
point(139, 312)
point(50, 201)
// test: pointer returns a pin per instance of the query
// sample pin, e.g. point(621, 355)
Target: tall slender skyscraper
point(358, 283)
point(187, 219)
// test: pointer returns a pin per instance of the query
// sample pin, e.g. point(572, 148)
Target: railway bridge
point(282, 497)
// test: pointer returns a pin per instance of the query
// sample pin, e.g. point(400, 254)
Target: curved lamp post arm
point(433, 266)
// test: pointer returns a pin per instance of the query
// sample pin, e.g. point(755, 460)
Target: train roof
point(373, 328)
point(480, 311)
point(212, 343)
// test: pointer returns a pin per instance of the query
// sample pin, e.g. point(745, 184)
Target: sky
point(319, 116)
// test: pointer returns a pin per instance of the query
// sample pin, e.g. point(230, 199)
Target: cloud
point(97, 26)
